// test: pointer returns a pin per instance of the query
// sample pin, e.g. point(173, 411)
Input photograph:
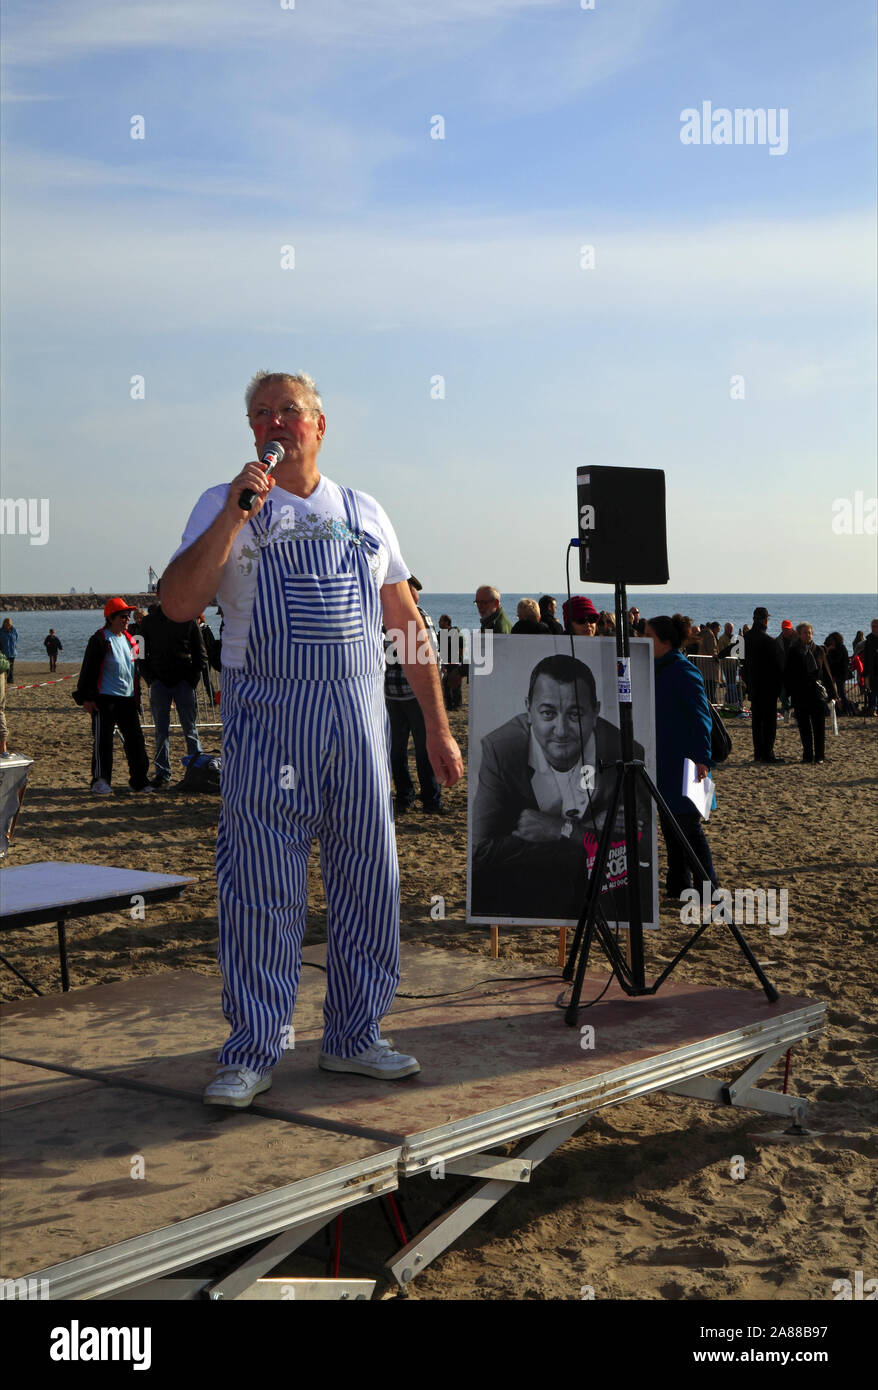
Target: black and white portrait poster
point(541, 724)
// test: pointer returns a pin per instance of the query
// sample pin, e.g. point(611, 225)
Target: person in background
point(784, 642)
point(4, 727)
point(839, 663)
point(682, 730)
point(726, 641)
point(869, 656)
point(53, 646)
point(529, 618)
point(708, 646)
point(452, 664)
point(764, 671)
point(806, 667)
point(491, 615)
point(407, 721)
point(692, 644)
point(606, 624)
point(135, 627)
point(109, 690)
point(213, 652)
point(9, 646)
point(173, 660)
point(580, 616)
point(633, 619)
point(548, 611)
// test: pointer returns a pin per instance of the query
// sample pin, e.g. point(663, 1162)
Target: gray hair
point(307, 383)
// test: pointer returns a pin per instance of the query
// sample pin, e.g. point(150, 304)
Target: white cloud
point(511, 55)
point(56, 31)
point(172, 272)
point(335, 161)
point(563, 61)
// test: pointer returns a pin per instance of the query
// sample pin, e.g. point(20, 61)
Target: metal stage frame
point(383, 1156)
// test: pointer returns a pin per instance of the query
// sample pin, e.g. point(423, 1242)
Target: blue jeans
point(161, 697)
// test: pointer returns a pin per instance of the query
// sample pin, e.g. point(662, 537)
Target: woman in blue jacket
point(9, 646)
point(682, 730)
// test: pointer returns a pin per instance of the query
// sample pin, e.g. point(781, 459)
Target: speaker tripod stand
point(592, 925)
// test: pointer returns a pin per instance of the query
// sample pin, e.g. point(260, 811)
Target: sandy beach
point(642, 1203)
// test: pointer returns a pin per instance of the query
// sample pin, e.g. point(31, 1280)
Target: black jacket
point(839, 663)
point(805, 667)
point(92, 664)
point(175, 652)
point(763, 664)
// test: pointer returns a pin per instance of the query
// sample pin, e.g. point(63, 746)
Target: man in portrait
point(543, 798)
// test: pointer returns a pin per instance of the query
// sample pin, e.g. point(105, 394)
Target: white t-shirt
point(559, 792)
point(309, 516)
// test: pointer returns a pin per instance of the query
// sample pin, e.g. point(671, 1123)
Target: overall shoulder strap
point(352, 510)
point(260, 521)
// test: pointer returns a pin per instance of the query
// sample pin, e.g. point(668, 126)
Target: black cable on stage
point(446, 994)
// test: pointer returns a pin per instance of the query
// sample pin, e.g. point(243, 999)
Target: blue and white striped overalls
point(305, 753)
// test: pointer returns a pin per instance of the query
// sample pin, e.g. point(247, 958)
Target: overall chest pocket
point(323, 608)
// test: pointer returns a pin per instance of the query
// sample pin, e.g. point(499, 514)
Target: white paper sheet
point(699, 793)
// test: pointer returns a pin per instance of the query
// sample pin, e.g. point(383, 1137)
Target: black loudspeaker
point(622, 533)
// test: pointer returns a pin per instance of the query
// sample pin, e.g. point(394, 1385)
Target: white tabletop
point(39, 887)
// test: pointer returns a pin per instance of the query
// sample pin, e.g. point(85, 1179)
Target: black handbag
point(720, 739)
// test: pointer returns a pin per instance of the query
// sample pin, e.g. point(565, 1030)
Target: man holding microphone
point(304, 578)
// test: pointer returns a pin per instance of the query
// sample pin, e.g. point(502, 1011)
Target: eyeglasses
point(483, 602)
point(262, 414)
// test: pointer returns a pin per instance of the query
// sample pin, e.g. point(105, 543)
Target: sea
point(844, 613)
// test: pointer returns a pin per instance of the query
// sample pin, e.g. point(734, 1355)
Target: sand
point(642, 1203)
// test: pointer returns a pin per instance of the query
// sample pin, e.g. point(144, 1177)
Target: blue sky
point(460, 257)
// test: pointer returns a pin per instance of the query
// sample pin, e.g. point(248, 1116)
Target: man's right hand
point(89, 706)
point(252, 476)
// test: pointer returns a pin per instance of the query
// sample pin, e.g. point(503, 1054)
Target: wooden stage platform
point(116, 1176)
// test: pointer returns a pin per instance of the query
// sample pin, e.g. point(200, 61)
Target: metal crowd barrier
point(722, 679)
point(208, 713)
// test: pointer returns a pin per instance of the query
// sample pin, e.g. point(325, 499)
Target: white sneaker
point(101, 787)
point(141, 791)
point(235, 1086)
point(379, 1060)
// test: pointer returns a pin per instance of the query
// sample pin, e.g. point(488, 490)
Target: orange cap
point(116, 605)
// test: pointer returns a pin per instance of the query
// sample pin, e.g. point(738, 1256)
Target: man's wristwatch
point(571, 819)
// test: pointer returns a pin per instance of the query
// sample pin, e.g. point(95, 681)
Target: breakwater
point(67, 603)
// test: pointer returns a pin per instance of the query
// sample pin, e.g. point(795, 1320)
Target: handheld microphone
point(271, 457)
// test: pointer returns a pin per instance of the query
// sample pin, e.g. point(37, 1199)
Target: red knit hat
point(579, 609)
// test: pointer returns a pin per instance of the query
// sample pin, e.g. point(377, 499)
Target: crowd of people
point(787, 670)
